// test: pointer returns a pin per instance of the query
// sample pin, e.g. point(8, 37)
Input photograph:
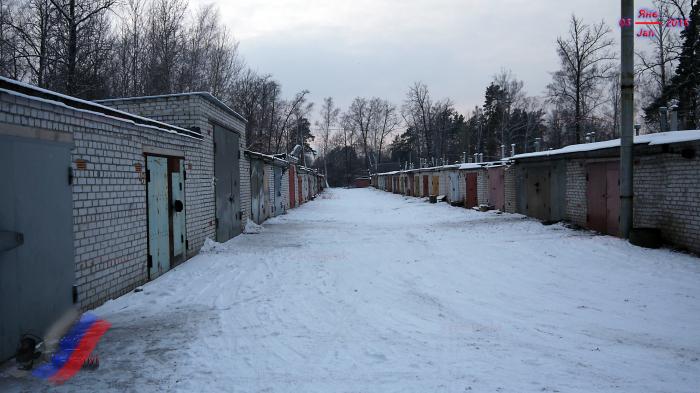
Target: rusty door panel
point(425, 186)
point(436, 185)
point(603, 197)
point(471, 199)
point(496, 188)
point(411, 185)
point(292, 186)
point(612, 199)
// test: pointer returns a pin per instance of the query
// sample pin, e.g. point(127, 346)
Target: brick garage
point(200, 111)
point(108, 185)
point(666, 182)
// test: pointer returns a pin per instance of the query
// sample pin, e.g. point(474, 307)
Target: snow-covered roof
point(268, 158)
point(34, 93)
point(207, 95)
point(661, 138)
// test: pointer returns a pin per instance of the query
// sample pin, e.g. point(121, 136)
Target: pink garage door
point(497, 196)
point(603, 197)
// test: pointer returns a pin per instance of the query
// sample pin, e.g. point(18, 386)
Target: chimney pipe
point(537, 144)
point(674, 118)
point(637, 127)
point(503, 151)
point(512, 149)
point(663, 118)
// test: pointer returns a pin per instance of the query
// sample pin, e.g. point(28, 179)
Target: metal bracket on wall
point(149, 262)
point(10, 240)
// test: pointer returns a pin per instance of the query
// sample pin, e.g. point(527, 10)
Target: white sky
point(378, 48)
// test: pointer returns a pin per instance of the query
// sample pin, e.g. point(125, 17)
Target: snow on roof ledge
point(660, 138)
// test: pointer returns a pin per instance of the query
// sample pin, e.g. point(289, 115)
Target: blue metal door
point(177, 204)
point(37, 269)
point(158, 216)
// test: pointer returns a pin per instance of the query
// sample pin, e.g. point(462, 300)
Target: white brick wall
point(109, 195)
point(576, 205)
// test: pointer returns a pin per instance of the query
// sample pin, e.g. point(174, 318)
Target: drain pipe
point(626, 119)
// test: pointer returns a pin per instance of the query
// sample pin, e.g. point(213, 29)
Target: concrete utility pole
point(627, 119)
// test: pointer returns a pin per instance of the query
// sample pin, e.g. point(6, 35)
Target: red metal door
point(603, 197)
point(612, 199)
point(409, 191)
point(471, 199)
point(292, 183)
point(425, 185)
point(299, 189)
point(496, 188)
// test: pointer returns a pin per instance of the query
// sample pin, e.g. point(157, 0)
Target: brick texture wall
point(482, 187)
point(667, 196)
point(109, 191)
point(194, 110)
point(576, 208)
point(510, 189)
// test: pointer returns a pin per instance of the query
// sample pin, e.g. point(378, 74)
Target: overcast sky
point(378, 48)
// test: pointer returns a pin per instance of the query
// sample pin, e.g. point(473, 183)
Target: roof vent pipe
point(512, 149)
point(537, 144)
point(481, 157)
point(503, 151)
point(637, 127)
point(674, 118)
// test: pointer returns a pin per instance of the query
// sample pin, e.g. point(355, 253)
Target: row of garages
point(99, 198)
point(578, 184)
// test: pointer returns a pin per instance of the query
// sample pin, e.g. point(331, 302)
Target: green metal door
point(158, 216)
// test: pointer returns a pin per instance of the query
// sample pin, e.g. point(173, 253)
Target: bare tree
point(586, 56)
point(76, 16)
point(329, 119)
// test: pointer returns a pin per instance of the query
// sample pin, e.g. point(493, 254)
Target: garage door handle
point(10, 240)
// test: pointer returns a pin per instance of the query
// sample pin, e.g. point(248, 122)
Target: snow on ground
point(364, 291)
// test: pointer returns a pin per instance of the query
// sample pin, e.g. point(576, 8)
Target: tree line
point(580, 104)
point(96, 49)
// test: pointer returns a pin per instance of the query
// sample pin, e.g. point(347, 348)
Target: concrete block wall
point(109, 192)
point(195, 110)
point(510, 176)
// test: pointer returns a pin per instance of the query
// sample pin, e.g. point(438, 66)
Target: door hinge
point(70, 175)
point(182, 238)
point(187, 244)
point(148, 175)
point(75, 294)
point(149, 263)
point(215, 147)
point(239, 154)
point(240, 215)
point(216, 222)
point(184, 177)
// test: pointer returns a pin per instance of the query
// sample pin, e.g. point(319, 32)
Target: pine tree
point(685, 84)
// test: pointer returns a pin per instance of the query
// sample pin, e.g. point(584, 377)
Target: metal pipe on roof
point(674, 117)
point(626, 119)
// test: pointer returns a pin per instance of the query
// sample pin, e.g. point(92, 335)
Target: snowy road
point(363, 291)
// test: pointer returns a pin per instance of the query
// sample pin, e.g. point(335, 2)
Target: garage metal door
point(538, 193)
point(603, 197)
point(497, 196)
point(37, 269)
point(227, 180)
point(471, 198)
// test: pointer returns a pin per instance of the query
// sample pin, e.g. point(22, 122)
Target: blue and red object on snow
point(74, 349)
